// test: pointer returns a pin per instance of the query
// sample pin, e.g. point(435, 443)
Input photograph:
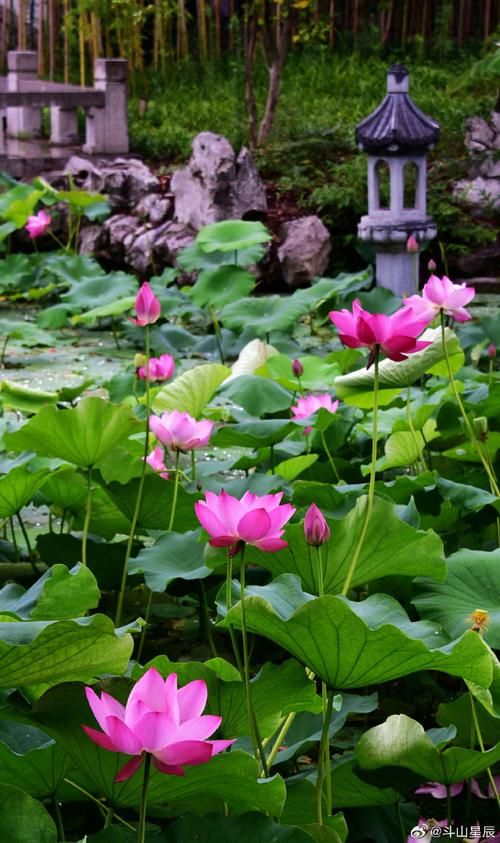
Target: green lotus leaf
point(218, 287)
point(191, 391)
point(231, 236)
point(390, 547)
point(369, 642)
point(18, 487)
point(30, 759)
point(59, 593)
point(256, 395)
point(24, 819)
point(44, 653)
point(82, 435)
point(357, 387)
point(403, 742)
point(472, 582)
point(173, 556)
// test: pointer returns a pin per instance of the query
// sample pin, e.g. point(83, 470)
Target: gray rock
point(124, 181)
point(122, 231)
point(479, 194)
point(153, 208)
point(93, 239)
point(157, 247)
point(216, 185)
point(305, 250)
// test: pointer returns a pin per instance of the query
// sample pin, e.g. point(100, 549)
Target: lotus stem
point(371, 485)
point(481, 746)
point(141, 830)
point(414, 432)
point(324, 752)
point(137, 509)
point(475, 444)
point(88, 512)
point(176, 491)
point(257, 744)
point(279, 738)
point(330, 458)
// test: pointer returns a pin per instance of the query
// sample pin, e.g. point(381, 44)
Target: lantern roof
point(397, 125)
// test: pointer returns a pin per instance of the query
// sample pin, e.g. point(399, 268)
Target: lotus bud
point(316, 529)
point(492, 351)
point(297, 368)
point(411, 245)
point(431, 266)
point(140, 360)
point(147, 306)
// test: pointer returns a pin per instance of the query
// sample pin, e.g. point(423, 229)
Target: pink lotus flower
point(438, 791)
point(160, 368)
point(255, 520)
point(38, 224)
point(147, 307)
point(395, 335)
point(411, 245)
point(180, 432)
point(310, 404)
point(316, 529)
point(155, 460)
point(441, 295)
point(157, 719)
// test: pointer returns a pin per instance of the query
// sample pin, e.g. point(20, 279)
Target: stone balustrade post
point(22, 121)
point(63, 126)
point(107, 128)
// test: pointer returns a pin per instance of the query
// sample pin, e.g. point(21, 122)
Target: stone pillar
point(398, 272)
point(63, 126)
point(24, 120)
point(107, 128)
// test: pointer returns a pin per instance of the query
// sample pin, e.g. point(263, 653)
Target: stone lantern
point(396, 137)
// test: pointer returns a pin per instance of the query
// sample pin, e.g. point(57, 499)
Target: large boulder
point(216, 185)
point(305, 250)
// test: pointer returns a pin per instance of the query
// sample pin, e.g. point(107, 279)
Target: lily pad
point(369, 642)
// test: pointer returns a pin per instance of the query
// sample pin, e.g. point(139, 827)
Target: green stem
point(109, 818)
point(371, 485)
point(176, 491)
point(319, 569)
point(205, 624)
point(418, 448)
point(141, 829)
point(326, 760)
point(279, 738)
point(229, 579)
point(258, 750)
point(481, 746)
point(218, 338)
point(475, 444)
point(98, 803)
point(88, 512)
point(14, 538)
point(324, 751)
point(193, 465)
point(28, 544)
point(330, 458)
point(59, 820)
point(271, 457)
point(147, 615)
point(490, 374)
point(138, 500)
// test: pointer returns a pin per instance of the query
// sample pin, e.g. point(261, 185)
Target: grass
point(311, 151)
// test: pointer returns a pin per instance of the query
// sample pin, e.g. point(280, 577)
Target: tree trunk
point(275, 71)
point(250, 43)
